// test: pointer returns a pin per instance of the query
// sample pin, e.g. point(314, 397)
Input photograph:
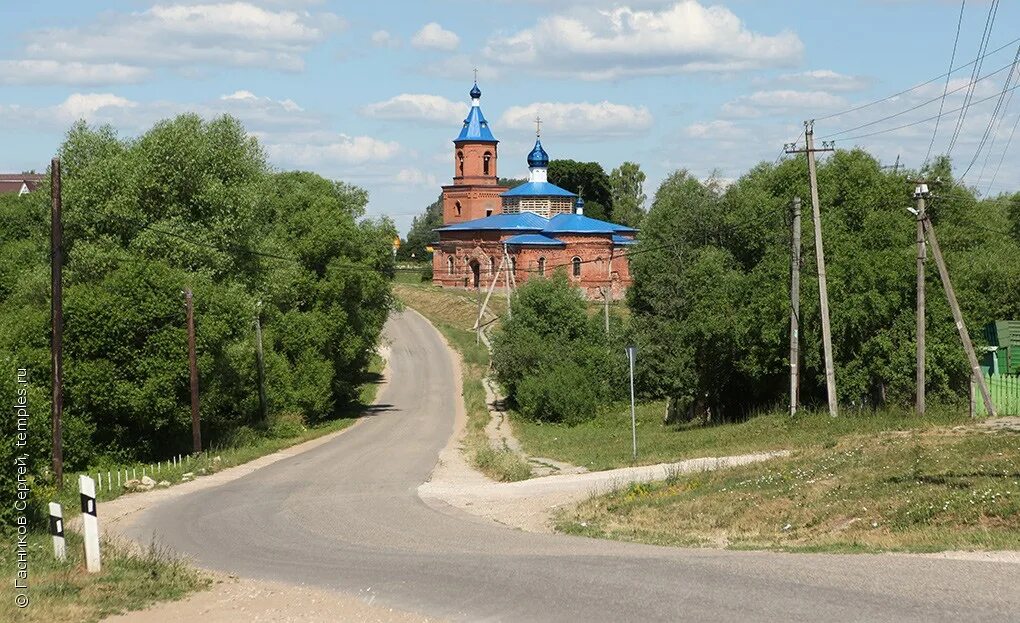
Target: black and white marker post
point(90, 522)
point(57, 531)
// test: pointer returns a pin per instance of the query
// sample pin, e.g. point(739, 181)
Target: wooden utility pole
point(509, 265)
point(196, 423)
point(823, 288)
point(57, 322)
point(261, 365)
point(968, 346)
point(920, 193)
point(795, 309)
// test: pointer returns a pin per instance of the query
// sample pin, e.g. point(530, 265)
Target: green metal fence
point(1005, 391)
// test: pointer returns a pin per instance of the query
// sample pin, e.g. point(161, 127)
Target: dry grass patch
point(929, 491)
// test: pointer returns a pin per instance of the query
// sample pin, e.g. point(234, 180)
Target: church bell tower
point(475, 191)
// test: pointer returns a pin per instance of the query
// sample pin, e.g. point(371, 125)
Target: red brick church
point(491, 232)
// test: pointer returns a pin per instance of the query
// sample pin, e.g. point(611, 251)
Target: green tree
point(422, 233)
point(588, 179)
point(627, 184)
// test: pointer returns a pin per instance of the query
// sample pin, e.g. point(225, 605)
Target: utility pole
point(920, 193)
point(196, 424)
point(261, 365)
point(823, 288)
point(795, 309)
point(509, 267)
point(968, 346)
point(57, 322)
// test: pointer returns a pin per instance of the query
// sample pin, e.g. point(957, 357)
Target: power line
point(923, 104)
point(993, 9)
point(945, 90)
point(932, 118)
point(995, 115)
point(1004, 152)
point(917, 86)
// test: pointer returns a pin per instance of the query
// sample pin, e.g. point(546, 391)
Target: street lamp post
point(631, 354)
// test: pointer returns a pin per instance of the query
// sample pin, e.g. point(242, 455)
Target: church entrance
point(476, 273)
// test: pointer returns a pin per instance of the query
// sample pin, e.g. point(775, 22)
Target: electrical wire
point(986, 36)
point(945, 90)
point(1004, 152)
point(917, 86)
point(995, 115)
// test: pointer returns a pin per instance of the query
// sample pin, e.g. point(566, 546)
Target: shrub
point(562, 392)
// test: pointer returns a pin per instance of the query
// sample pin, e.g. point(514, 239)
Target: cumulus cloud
point(720, 129)
point(34, 72)
point(580, 120)
point(432, 36)
point(384, 39)
point(418, 107)
point(624, 42)
point(182, 35)
point(779, 102)
point(416, 178)
point(323, 149)
point(825, 80)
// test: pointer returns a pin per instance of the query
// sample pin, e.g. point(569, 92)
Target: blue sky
point(373, 92)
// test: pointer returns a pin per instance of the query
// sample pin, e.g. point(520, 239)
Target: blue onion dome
point(475, 92)
point(579, 206)
point(538, 157)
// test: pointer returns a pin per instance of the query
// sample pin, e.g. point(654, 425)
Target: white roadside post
point(631, 353)
point(57, 531)
point(90, 523)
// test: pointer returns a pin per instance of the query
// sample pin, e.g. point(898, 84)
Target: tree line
point(190, 203)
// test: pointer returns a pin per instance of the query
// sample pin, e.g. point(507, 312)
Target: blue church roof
point(580, 224)
point(623, 240)
point(538, 189)
point(525, 221)
point(535, 240)
point(476, 128)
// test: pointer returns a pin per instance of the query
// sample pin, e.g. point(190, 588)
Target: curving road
point(345, 516)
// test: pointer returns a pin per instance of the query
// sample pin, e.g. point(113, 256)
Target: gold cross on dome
point(476, 75)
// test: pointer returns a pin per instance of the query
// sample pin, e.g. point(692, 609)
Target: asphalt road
point(345, 516)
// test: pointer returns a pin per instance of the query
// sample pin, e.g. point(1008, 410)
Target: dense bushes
point(188, 204)
point(554, 359)
point(710, 299)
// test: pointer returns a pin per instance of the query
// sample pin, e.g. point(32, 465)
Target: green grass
point(453, 313)
point(605, 441)
point(131, 578)
point(930, 490)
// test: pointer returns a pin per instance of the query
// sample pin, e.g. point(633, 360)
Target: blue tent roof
point(623, 240)
point(535, 240)
point(525, 221)
point(476, 128)
point(538, 189)
point(580, 224)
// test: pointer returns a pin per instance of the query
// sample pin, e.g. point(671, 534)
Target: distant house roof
point(580, 224)
point(538, 189)
point(535, 240)
point(20, 183)
point(525, 221)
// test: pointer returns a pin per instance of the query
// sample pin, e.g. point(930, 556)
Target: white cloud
point(85, 105)
point(579, 120)
point(434, 37)
point(384, 39)
point(718, 130)
point(416, 178)
point(69, 73)
point(327, 149)
point(825, 80)
point(783, 101)
point(624, 42)
point(417, 107)
point(181, 35)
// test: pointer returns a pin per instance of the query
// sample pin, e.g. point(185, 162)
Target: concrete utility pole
point(261, 365)
point(57, 322)
point(196, 424)
point(823, 288)
point(968, 346)
point(795, 308)
point(920, 193)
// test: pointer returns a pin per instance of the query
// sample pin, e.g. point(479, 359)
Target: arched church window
point(449, 265)
point(513, 265)
point(492, 265)
point(485, 163)
point(577, 266)
point(457, 207)
point(541, 266)
point(460, 163)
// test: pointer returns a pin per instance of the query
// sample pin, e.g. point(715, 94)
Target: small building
point(1002, 355)
point(19, 183)
point(530, 230)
